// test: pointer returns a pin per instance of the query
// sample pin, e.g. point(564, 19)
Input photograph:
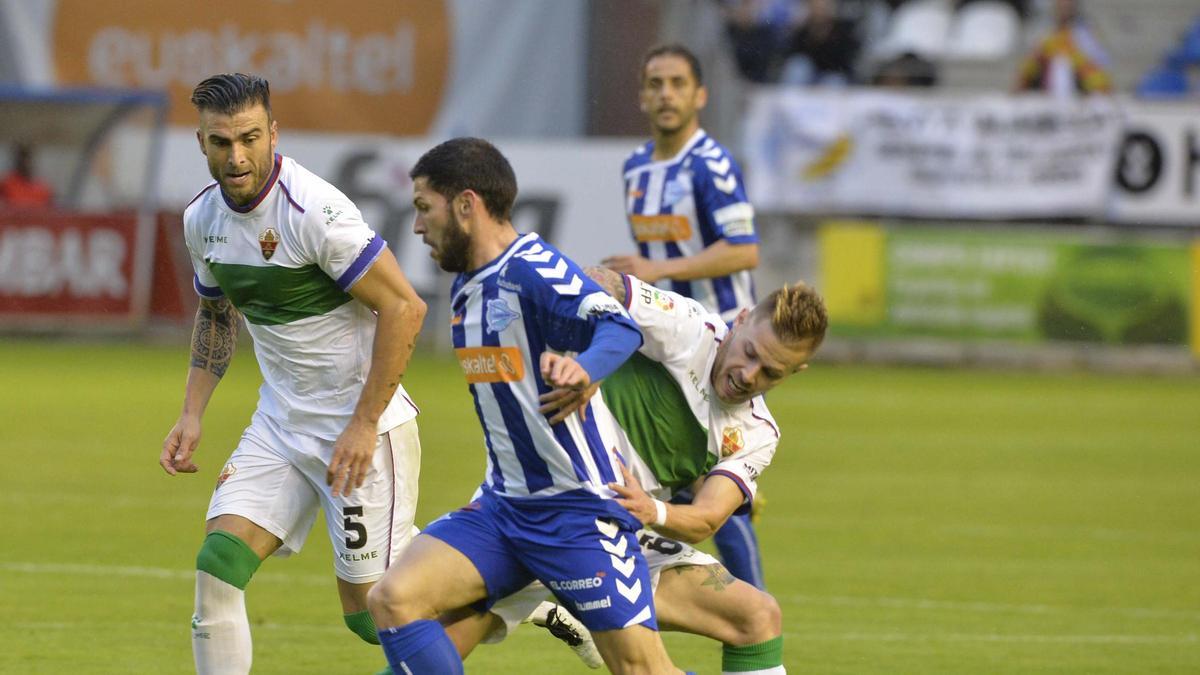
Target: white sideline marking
point(154, 573)
point(986, 607)
point(1190, 638)
point(174, 626)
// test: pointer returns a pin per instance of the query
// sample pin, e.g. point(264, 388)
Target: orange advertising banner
point(377, 67)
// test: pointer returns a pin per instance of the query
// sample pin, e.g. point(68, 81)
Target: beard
point(455, 248)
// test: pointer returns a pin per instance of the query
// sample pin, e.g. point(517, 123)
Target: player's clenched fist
point(177, 449)
point(563, 371)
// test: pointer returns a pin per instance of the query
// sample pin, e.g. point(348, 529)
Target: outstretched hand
point(562, 402)
point(634, 498)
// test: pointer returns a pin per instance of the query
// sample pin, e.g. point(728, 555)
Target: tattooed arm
point(610, 281)
point(214, 337)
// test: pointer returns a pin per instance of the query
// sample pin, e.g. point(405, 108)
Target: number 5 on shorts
point(358, 529)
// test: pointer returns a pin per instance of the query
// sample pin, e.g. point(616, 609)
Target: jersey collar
point(262, 194)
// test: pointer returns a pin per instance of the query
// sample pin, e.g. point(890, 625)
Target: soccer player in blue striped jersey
point(526, 320)
point(687, 208)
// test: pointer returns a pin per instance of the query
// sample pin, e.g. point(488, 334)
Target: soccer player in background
point(334, 323)
point(691, 413)
point(693, 224)
point(519, 310)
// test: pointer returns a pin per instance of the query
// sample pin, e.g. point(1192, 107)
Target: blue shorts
point(583, 548)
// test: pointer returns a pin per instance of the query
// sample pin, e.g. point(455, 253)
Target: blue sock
point(420, 648)
point(738, 545)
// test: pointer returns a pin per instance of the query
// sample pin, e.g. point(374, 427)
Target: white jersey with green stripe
point(287, 261)
point(682, 336)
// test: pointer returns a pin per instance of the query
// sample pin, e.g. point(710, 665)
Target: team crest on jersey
point(226, 473)
point(268, 241)
point(731, 441)
point(677, 189)
point(499, 315)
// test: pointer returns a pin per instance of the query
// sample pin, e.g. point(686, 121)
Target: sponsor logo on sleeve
point(653, 297)
point(596, 304)
point(485, 365)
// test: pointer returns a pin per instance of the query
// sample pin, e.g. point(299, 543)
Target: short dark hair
point(231, 93)
point(470, 164)
point(674, 49)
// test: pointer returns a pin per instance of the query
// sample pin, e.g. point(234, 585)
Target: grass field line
point(174, 625)
point(986, 607)
point(1189, 638)
point(99, 570)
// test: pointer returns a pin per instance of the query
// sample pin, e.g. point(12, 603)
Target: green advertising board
point(1025, 286)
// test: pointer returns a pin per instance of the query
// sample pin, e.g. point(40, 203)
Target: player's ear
point(274, 134)
point(741, 317)
point(701, 97)
point(200, 140)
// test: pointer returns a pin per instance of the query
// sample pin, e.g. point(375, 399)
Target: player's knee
point(762, 619)
point(227, 558)
point(393, 603)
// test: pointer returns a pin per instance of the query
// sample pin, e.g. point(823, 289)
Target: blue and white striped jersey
point(680, 206)
point(529, 300)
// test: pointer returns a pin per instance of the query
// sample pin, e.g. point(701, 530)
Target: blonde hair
point(796, 313)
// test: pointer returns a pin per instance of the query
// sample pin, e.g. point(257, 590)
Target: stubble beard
point(455, 247)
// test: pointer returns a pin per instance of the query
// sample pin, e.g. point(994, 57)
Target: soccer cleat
point(567, 628)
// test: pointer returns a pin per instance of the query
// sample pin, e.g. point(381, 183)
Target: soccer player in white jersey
point(334, 322)
point(525, 320)
point(690, 411)
point(694, 227)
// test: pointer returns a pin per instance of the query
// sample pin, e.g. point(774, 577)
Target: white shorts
point(661, 554)
point(276, 479)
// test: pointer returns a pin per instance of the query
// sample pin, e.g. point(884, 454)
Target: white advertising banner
point(1158, 166)
point(570, 192)
point(880, 152)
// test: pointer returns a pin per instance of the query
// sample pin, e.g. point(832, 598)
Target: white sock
point(777, 670)
point(220, 629)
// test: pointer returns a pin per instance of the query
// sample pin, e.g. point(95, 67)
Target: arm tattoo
point(214, 336)
point(609, 280)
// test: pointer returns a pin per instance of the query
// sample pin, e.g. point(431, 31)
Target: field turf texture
point(918, 521)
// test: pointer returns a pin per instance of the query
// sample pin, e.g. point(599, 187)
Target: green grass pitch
point(918, 521)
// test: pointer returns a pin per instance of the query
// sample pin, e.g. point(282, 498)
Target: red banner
point(68, 268)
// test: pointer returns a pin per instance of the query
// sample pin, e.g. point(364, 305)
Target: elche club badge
point(268, 241)
point(731, 441)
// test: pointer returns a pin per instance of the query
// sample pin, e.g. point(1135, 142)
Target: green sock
point(362, 625)
point(761, 656)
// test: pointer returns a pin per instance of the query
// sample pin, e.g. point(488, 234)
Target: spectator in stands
point(1178, 76)
point(1069, 61)
point(759, 30)
point(906, 70)
point(823, 47)
point(20, 188)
